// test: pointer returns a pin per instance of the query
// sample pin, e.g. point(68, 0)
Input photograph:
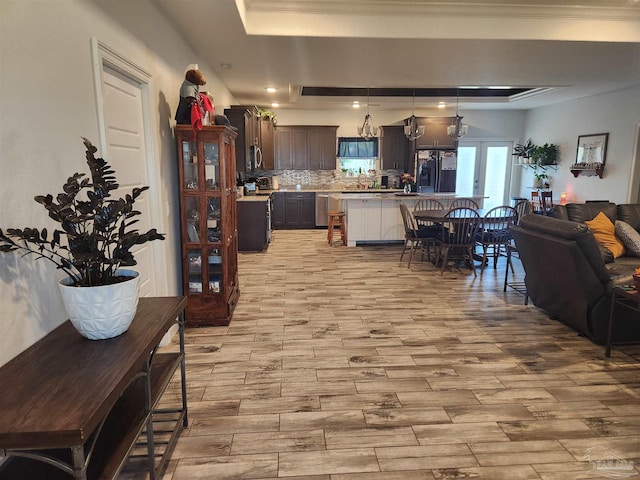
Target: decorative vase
point(105, 311)
point(407, 188)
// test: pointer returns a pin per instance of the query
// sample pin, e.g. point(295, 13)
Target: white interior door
point(125, 152)
point(484, 169)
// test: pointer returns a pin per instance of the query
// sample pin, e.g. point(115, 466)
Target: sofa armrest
point(568, 230)
point(630, 213)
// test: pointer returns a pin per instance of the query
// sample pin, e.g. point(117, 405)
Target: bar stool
point(336, 219)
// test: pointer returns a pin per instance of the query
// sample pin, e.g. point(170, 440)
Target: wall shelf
point(587, 172)
point(553, 166)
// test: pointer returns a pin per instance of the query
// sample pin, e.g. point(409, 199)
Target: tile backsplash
point(323, 177)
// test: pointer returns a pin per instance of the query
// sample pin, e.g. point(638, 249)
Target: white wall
point(616, 113)
point(47, 101)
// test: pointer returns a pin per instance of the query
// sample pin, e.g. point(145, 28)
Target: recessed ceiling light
point(225, 66)
point(271, 89)
point(275, 104)
point(356, 104)
point(442, 104)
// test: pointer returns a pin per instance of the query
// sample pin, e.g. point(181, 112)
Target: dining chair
point(427, 204)
point(458, 237)
point(415, 236)
point(536, 202)
point(493, 235)
point(464, 203)
point(546, 201)
point(523, 207)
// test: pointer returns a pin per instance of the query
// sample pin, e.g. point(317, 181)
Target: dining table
point(437, 216)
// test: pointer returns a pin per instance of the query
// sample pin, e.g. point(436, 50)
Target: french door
point(484, 169)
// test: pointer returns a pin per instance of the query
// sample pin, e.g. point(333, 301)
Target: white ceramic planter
point(105, 311)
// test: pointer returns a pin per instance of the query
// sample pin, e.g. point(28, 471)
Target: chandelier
point(367, 130)
point(412, 130)
point(457, 129)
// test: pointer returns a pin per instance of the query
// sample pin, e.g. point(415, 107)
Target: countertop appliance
point(275, 183)
point(250, 188)
point(264, 183)
point(436, 171)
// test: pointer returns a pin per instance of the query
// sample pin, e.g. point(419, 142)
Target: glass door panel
point(484, 169)
point(195, 270)
point(213, 220)
point(190, 159)
point(192, 218)
point(212, 166)
point(215, 270)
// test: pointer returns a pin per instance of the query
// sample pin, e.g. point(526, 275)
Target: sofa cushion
point(605, 232)
point(629, 237)
point(582, 212)
point(630, 213)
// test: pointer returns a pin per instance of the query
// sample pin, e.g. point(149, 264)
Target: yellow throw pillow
point(605, 232)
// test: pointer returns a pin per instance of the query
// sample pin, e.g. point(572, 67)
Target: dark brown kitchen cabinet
point(278, 219)
point(255, 142)
point(300, 210)
point(266, 139)
point(321, 148)
point(253, 228)
point(243, 118)
point(305, 147)
point(435, 133)
point(208, 218)
point(293, 210)
point(395, 152)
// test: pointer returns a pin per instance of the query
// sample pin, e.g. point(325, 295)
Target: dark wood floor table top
point(438, 215)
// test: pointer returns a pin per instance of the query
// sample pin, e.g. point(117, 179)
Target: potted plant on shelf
point(94, 240)
point(541, 179)
point(524, 151)
point(546, 154)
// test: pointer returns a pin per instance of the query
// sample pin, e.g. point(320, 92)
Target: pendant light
point(367, 130)
point(411, 130)
point(457, 129)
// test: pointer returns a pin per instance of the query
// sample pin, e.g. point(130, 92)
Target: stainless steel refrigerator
point(436, 171)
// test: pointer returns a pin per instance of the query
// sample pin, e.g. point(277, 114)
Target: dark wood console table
point(74, 408)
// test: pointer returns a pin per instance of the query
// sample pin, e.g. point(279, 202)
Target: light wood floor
point(343, 364)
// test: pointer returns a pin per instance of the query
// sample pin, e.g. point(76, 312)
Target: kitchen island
point(376, 218)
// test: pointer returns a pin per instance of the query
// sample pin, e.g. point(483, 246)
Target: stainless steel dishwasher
point(322, 207)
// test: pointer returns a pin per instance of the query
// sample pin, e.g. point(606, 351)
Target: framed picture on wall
point(592, 149)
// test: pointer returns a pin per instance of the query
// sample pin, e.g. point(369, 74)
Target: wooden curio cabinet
point(208, 223)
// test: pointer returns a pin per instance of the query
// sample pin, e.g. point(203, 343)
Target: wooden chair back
point(464, 203)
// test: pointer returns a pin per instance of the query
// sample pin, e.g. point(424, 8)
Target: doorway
point(123, 117)
point(484, 170)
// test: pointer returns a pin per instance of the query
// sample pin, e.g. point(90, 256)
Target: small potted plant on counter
point(408, 182)
point(93, 241)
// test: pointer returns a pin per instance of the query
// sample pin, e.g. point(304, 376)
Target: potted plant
point(541, 179)
point(93, 241)
point(523, 151)
point(546, 154)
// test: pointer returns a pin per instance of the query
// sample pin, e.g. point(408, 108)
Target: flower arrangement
point(407, 178)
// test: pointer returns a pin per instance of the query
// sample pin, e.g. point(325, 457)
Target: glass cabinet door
point(212, 166)
point(190, 160)
point(215, 270)
point(195, 270)
point(192, 219)
point(214, 230)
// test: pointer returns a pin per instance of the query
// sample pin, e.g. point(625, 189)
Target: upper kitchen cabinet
point(394, 152)
point(267, 143)
point(255, 144)
point(435, 133)
point(305, 147)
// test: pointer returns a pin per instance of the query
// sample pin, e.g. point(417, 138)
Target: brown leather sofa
point(566, 275)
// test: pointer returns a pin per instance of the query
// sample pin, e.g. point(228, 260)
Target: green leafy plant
point(262, 113)
point(524, 150)
point(95, 235)
point(546, 154)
